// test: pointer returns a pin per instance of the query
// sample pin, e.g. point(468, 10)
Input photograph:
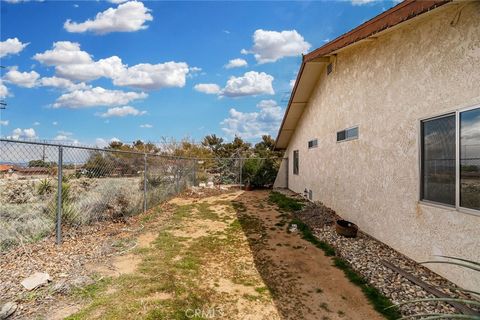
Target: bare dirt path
point(222, 257)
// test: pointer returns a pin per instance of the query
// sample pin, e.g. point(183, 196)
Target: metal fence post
point(177, 178)
point(145, 183)
point(59, 196)
point(241, 166)
point(194, 172)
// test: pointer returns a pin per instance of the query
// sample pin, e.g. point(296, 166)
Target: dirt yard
point(221, 257)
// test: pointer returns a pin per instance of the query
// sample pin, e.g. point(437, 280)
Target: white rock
point(210, 184)
point(7, 310)
point(202, 185)
point(36, 280)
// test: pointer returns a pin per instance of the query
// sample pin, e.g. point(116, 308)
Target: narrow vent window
point(347, 134)
point(295, 162)
point(329, 68)
point(310, 195)
point(312, 143)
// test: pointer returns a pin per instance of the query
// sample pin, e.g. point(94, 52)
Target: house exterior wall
point(424, 68)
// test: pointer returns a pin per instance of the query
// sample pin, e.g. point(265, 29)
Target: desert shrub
point(82, 185)
point(45, 187)
point(201, 176)
point(16, 192)
point(153, 181)
point(250, 169)
point(266, 173)
point(113, 199)
point(260, 172)
point(69, 214)
point(24, 222)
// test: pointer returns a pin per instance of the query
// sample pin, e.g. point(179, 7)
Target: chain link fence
point(46, 187)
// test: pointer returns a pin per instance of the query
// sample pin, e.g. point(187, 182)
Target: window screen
point(470, 159)
point(295, 162)
point(312, 143)
point(438, 160)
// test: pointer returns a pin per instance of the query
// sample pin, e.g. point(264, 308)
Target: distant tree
point(213, 143)
point(40, 163)
point(117, 145)
point(266, 148)
point(237, 148)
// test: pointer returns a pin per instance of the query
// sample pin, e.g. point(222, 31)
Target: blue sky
point(91, 71)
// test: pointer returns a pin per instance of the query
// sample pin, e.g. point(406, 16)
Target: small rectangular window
point(312, 143)
point(347, 134)
point(310, 194)
point(295, 162)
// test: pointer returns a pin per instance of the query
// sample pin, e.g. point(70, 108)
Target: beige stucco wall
point(281, 181)
point(426, 67)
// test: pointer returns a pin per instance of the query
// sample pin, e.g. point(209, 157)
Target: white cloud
point(4, 122)
point(292, 83)
point(22, 79)
point(122, 112)
point(61, 83)
point(117, 1)
point(153, 76)
point(61, 137)
point(127, 17)
point(147, 126)
point(102, 143)
point(63, 53)
point(362, 2)
point(23, 134)
point(109, 68)
point(3, 90)
point(74, 64)
point(249, 125)
point(236, 63)
point(11, 46)
point(36, 123)
point(97, 96)
point(208, 88)
point(55, 123)
point(252, 83)
point(270, 46)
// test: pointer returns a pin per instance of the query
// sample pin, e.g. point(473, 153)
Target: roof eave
point(398, 14)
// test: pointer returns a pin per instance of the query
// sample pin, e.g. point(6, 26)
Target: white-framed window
point(347, 134)
point(312, 143)
point(450, 159)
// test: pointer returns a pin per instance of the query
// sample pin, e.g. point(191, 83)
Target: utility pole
point(3, 104)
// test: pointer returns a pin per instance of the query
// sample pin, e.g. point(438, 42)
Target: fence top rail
point(49, 144)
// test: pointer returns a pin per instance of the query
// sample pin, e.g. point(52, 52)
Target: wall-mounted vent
point(329, 68)
point(347, 134)
point(312, 143)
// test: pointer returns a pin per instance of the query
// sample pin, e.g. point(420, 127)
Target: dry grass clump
point(29, 207)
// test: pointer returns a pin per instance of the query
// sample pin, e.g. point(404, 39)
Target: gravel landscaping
point(365, 254)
